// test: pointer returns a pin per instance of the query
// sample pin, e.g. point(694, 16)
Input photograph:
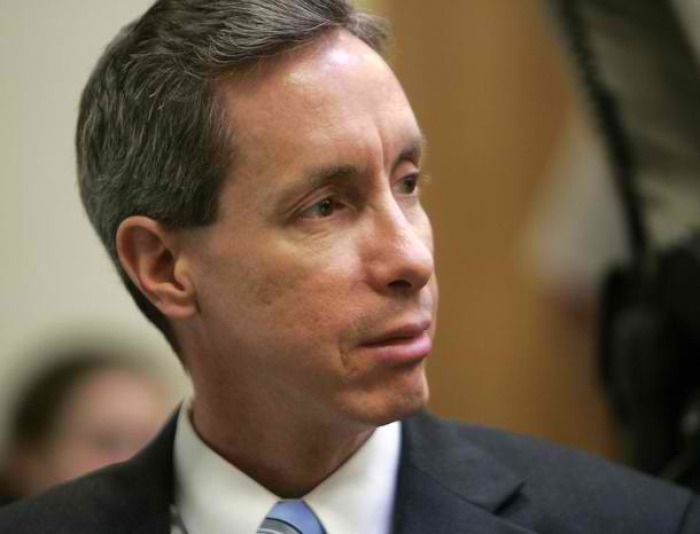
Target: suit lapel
point(448, 486)
point(148, 479)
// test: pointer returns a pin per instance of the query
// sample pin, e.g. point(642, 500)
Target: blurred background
point(523, 210)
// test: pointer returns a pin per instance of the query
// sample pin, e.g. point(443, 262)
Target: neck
point(287, 453)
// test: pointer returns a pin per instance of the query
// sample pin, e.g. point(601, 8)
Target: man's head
point(311, 276)
point(153, 136)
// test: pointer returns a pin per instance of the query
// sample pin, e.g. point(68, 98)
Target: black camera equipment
point(642, 79)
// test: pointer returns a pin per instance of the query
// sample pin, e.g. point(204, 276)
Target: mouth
point(409, 342)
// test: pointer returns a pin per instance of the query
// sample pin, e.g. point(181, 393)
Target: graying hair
point(153, 137)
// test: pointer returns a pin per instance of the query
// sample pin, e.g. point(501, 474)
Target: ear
point(149, 255)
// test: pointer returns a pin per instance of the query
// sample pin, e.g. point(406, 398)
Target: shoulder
point(76, 507)
point(557, 484)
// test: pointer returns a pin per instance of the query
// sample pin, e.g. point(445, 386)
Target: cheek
point(275, 283)
point(299, 294)
point(304, 279)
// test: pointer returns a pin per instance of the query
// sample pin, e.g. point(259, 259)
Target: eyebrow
point(331, 173)
point(316, 178)
point(320, 176)
point(414, 151)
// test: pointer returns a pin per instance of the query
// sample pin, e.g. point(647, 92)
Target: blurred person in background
point(86, 409)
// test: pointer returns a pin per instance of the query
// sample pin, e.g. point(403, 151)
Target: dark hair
point(37, 409)
point(153, 138)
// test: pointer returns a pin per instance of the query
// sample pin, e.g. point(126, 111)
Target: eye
point(409, 184)
point(323, 209)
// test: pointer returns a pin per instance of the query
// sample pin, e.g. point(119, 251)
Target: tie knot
point(291, 517)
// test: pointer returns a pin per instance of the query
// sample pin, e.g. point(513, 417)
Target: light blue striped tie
point(291, 517)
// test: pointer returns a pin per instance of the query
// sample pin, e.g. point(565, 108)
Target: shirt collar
point(212, 496)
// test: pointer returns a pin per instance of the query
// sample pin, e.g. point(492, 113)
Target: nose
point(401, 251)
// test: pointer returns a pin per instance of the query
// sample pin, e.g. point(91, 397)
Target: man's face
point(316, 287)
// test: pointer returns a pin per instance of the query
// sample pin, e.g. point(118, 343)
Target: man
point(253, 167)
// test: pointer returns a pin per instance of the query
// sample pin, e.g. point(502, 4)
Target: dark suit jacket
point(453, 479)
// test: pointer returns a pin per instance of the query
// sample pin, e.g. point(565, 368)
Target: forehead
point(311, 73)
point(325, 100)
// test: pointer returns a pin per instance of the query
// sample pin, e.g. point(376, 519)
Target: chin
point(392, 403)
point(406, 408)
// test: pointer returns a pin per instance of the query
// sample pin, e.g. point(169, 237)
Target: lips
point(408, 342)
point(402, 334)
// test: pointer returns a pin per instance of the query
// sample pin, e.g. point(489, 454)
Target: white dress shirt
point(214, 497)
